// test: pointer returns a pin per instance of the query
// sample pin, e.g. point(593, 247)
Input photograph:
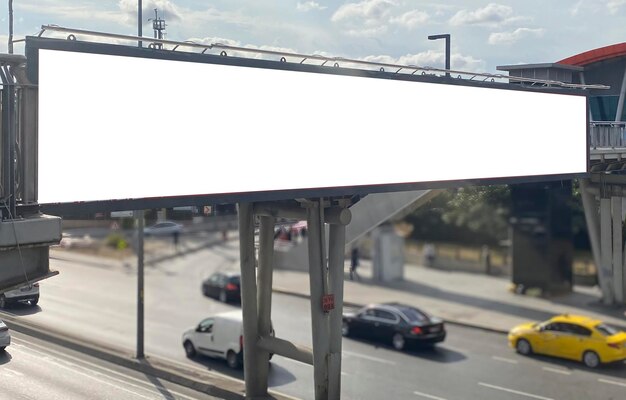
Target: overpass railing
point(607, 134)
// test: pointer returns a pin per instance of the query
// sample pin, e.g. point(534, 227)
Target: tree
point(472, 215)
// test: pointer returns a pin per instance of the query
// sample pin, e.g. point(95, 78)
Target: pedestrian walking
point(354, 264)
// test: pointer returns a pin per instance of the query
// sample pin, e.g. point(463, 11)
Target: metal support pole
point(264, 295)
point(582, 80)
point(139, 22)
point(620, 102)
point(605, 272)
point(254, 387)
point(8, 143)
point(28, 141)
point(139, 217)
point(319, 319)
point(616, 213)
point(593, 224)
point(336, 257)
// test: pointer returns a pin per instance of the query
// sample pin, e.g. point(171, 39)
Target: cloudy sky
point(484, 33)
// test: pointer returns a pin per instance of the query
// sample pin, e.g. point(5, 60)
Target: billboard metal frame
point(34, 44)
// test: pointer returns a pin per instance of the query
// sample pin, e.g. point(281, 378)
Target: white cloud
point(615, 5)
point(167, 10)
point(238, 53)
point(491, 15)
point(309, 6)
point(68, 10)
point(514, 36)
point(367, 11)
point(433, 59)
point(373, 17)
point(410, 19)
point(575, 9)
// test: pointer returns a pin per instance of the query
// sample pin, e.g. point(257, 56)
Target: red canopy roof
point(600, 54)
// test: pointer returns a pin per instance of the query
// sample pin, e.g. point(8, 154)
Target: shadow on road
point(5, 357)
point(487, 304)
point(278, 375)
point(615, 370)
point(21, 309)
point(437, 353)
point(159, 386)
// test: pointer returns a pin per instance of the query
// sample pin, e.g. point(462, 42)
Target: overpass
point(29, 187)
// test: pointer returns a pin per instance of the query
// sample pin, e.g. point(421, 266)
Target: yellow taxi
point(573, 337)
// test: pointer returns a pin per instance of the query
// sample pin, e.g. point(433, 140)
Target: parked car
point(163, 228)
point(220, 336)
point(26, 294)
point(399, 324)
point(573, 337)
point(224, 286)
point(5, 336)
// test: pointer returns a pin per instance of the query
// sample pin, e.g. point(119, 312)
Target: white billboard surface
point(113, 127)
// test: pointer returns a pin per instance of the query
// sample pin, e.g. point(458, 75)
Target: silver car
point(26, 294)
point(5, 336)
point(163, 228)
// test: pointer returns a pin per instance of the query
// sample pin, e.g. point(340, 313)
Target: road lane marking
point(557, 370)
point(534, 396)
point(506, 360)
point(612, 382)
point(11, 372)
point(428, 396)
point(78, 361)
point(380, 360)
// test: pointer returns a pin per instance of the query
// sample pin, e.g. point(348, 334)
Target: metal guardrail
point(394, 68)
point(605, 134)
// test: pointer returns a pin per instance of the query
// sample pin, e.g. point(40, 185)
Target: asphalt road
point(33, 369)
point(99, 302)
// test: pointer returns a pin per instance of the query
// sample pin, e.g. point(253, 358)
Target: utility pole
point(139, 21)
point(10, 27)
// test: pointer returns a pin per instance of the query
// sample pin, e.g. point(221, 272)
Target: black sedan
point(396, 323)
point(224, 286)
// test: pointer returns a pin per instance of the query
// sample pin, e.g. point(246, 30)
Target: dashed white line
point(428, 396)
point(534, 396)
point(506, 360)
point(557, 370)
point(380, 360)
point(612, 382)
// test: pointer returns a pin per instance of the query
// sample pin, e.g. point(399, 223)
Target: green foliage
point(477, 215)
point(128, 223)
point(116, 241)
point(471, 215)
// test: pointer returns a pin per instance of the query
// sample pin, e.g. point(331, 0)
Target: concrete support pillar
point(387, 254)
point(590, 206)
point(264, 295)
point(618, 264)
point(605, 270)
point(336, 256)
point(255, 389)
point(318, 284)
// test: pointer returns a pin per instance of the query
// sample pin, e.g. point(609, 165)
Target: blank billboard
point(115, 127)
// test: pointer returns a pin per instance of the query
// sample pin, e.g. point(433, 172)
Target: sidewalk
point(462, 298)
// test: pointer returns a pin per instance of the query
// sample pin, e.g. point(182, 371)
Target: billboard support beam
point(326, 282)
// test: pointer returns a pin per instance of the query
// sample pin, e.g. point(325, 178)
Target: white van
point(220, 336)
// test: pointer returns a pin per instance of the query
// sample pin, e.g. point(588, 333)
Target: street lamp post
point(447, 37)
point(139, 21)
